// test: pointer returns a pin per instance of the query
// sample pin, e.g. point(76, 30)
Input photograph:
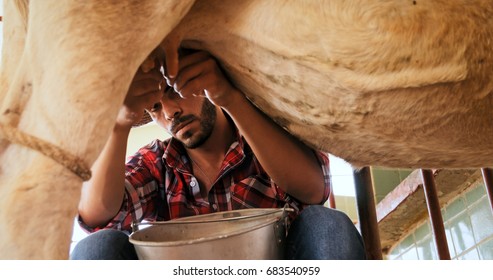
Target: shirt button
point(193, 183)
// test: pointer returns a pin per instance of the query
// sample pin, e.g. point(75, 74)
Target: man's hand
point(199, 75)
point(145, 90)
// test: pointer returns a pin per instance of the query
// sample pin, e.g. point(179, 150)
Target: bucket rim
point(203, 218)
point(199, 240)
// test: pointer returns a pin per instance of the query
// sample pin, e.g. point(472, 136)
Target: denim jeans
point(318, 233)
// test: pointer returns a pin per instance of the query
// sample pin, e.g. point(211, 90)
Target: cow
point(403, 84)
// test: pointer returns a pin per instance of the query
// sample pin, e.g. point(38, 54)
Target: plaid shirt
point(160, 186)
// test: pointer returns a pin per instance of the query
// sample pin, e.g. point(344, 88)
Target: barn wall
point(468, 223)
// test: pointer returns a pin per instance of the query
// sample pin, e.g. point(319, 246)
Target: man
point(224, 154)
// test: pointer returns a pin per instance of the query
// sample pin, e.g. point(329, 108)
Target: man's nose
point(171, 111)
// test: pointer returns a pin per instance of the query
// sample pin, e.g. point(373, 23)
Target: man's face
point(189, 120)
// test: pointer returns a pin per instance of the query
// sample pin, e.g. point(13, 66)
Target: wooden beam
point(435, 214)
point(488, 183)
point(367, 215)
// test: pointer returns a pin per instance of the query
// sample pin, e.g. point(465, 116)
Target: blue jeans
point(318, 233)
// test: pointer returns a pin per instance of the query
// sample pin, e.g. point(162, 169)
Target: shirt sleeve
point(141, 187)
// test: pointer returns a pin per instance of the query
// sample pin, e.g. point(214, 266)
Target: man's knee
point(104, 244)
point(321, 215)
point(324, 233)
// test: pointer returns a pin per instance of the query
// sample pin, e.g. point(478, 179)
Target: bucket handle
point(281, 227)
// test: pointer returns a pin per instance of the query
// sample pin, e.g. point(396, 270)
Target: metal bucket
point(239, 234)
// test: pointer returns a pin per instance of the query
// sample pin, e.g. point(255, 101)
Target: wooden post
point(435, 214)
point(488, 183)
point(367, 214)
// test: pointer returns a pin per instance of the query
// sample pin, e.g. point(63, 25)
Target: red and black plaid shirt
point(160, 186)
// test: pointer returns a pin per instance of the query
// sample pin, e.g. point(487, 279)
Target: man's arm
point(292, 165)
point(102, 196)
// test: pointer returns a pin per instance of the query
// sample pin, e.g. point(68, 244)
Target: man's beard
point(207, 121)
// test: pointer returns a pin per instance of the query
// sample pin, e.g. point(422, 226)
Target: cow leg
point(14, 37)
point(82, 59)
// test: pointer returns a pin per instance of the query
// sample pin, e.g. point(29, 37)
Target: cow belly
point(378, 83)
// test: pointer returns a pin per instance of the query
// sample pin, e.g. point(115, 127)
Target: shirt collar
point(176, 157)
